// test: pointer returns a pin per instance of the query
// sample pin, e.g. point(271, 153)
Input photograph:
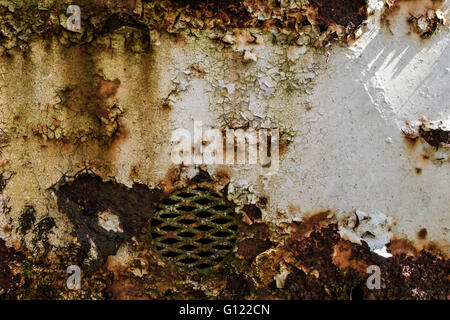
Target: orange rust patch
point(411, 142)
point(222, 175)
point(4, 164)
point(106, 88)
point(425, 156)
point(292, 209)
point(117, 140)
point(198, 71)
point(169, 182)
point(90, 96)
point(283, 147)
point(134, 172)
point(343, 257)
point(303, 229)
point(403, 246)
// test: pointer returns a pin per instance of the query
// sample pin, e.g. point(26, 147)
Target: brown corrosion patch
point(422, 234)
point(348, 13)
point(268, 264)
point(435, 133)
point(252, 211)
point(304, 228)
point(83, 199)
point(250, 248)
point(435, 136)
point(231, 13)
point(344, 257)
point(403, 247)
point(90, 96)
point(10, 284)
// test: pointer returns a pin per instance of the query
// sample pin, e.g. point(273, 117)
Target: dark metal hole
point(186, 221)
point(233, 227)
point(169, 216)
point(170, 254)
point(205, 254)
point(156, 222)
point(221, 207)
point(203, 201)
point(170, 241)
point(188, 260)
point(221, 221)
point(169, 228)
point(203, 228)
point(169, 202)
point(185, 195)
point(186, 234)
point(221, 247)
point(204, 241)
point(221, 234)
point(219, 259)
point(188, 247)
point(156, 235)
point(186, 208)
point(204, 214)
point(204, 266)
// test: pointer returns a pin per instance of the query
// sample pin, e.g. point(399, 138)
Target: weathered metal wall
point(359, 92)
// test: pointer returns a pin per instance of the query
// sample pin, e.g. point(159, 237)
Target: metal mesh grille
point(194, 227)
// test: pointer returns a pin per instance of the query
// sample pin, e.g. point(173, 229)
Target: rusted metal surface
point(312, 262)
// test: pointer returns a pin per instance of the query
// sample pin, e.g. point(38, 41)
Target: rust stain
point(227, 13)
point(309, 223)
point(422, 234)
point(91, 96)
point(9, 282)
point(403, 246)
point(171, 180)
point(118, 139)
point(252, 211)
point(348, 13)
point(222, 175)
point(292, 209)
point(425, 156)
point(344, 257)
point(250, 248)
point(411, 141)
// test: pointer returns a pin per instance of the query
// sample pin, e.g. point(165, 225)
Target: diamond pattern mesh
point(194, 227)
